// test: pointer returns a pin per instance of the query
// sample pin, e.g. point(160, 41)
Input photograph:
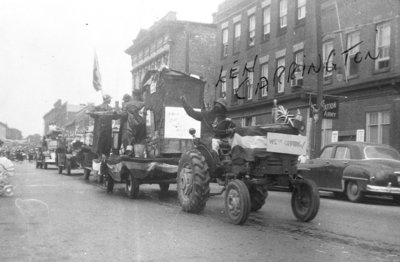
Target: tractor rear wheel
point(193, 182)
point(258, 194)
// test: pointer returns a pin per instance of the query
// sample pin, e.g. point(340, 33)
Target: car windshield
point(381, 152)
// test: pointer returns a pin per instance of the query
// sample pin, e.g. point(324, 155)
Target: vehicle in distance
point(356, 169)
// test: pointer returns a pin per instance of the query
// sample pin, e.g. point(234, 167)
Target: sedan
point(356, 169)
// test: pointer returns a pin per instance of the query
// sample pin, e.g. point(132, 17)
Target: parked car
point(356, 169)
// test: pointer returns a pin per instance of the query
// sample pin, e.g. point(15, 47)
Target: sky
point(47, 50)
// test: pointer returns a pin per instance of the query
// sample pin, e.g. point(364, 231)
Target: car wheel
point(305, 200)
point(45, 166)
point(237, 202)
point(354, 192)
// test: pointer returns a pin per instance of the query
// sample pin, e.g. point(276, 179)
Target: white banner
point(286, 144)
point(178, 123)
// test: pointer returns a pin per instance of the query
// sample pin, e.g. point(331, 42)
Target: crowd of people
point(18, 153)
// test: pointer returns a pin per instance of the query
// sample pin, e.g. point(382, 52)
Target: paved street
point(75, 220)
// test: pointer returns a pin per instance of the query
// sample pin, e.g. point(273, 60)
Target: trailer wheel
point(258, 194)
point(132, 187)
point(164, 187)
point(193, 182)
point(86, 174)
point(60, 169)
point(68, 168)
point(305, 200)
point(237, 202)
point(109, 183)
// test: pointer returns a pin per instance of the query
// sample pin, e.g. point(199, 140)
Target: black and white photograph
point(219, 130)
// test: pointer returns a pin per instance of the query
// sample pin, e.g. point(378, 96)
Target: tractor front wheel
point(305, 200)
point(237, 202)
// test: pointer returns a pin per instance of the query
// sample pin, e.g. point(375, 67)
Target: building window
point(249, 85)
point(327, 48)
point(223, 86)
point(236, 40)
point(280, 74)
point(266, 22)
point(382, 46)
point(378, 127)
point(351, 64)
point(326, 136)
point(225, 42)
point(297, 77)
point(301, 9)
point(264, 80)
point(235, 86)
point(248, 121)
point(252, 30)
point(282, 13)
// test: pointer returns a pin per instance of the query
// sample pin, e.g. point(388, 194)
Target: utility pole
point(320, 76)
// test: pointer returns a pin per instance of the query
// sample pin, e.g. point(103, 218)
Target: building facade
point(364, 37)
point(60, 115)
point(273, 49)
point(14, 134)
point(180, 45)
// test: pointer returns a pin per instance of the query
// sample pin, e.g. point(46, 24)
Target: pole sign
point(330, 108)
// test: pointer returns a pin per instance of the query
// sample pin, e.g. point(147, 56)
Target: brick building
point(80, 123)
point(180, 45)
point(370, 76)
point(14, 134)
point(268, 49)
point(60, 114)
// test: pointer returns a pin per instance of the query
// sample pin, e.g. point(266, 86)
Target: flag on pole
point(96, 74)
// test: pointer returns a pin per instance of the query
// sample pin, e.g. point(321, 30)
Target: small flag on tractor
point(96, 74)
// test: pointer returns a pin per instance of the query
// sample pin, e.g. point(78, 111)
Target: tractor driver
point(209, 119)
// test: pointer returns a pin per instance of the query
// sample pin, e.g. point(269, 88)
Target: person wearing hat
point(133, 125)
point(102, 128)
point(209, 119)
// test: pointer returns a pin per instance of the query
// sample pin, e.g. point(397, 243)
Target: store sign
point(330, 108)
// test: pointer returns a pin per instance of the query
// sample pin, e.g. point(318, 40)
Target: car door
point(319, 167)
point(341, 159)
